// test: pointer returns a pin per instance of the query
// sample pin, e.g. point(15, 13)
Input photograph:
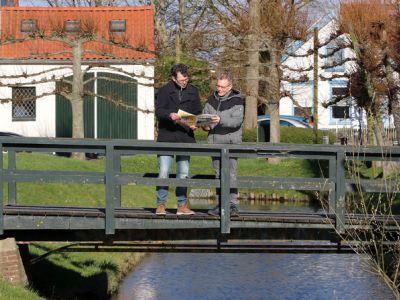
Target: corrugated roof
point(139, 32)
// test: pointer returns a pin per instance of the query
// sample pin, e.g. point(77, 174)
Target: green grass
point(10, 291)
point(73, 275)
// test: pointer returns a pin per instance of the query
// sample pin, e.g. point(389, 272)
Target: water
point(254, 276)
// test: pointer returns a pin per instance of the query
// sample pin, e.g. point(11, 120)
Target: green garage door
point(112, 121)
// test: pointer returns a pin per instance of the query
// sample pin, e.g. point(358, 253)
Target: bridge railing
point(336, 184)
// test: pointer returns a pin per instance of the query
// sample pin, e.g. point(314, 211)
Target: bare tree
point(370, 82)
point(281, 22)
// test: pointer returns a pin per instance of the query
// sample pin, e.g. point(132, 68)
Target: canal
point(254, 276)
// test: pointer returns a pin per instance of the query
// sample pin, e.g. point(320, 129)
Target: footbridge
point(139, 229)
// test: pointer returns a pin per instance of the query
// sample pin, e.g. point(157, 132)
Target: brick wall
point(11, 267)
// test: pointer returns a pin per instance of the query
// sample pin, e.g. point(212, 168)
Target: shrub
point(304, 135)
point(289, 135)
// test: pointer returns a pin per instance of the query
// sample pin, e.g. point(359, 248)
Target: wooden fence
point(354, 136)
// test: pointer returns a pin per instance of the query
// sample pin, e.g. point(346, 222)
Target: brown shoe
point(160, 209)
point(184, 210)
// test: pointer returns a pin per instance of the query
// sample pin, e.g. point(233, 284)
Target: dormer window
point(118, 26)
point(72, 25)
point(28, 26)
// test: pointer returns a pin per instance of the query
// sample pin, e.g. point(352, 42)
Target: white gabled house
point(127, 77)
point(343, 114)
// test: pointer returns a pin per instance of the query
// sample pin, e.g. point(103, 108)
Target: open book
point(189, 119)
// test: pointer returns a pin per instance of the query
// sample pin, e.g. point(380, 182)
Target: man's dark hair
point(179, 68)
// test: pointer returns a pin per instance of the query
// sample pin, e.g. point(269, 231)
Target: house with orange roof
point(112, 46)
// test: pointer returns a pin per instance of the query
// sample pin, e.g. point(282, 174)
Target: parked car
point(263, 128)
point(5, 133)
point(285, 121)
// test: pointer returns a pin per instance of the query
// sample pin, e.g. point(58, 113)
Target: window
point(341, 109)
point(118, 26)
point(23, 104)
point(340, 112)
point(285, 124)
point(28, 26)
point(72, 25)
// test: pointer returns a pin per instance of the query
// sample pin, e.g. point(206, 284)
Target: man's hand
point(215, 119)
point(206, 127)
point(174, 116)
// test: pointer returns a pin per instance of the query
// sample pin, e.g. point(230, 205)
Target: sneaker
point(184, 210)
point(214, 211)
point(234, 211)
point(160, 209)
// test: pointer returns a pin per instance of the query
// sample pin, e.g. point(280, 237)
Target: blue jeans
point(182, 171)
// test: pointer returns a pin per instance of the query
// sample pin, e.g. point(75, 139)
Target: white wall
point(44, 125)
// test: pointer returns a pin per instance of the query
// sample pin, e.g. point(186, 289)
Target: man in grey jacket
point(226, 128)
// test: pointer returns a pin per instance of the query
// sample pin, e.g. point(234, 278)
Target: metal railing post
point(117, 187)
point(340, 196)
point(225, 189)
point(332, 193)
point(110, 190)
point(12, 185)
point(1, 191)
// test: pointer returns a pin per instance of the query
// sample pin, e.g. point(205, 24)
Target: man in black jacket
point(176, 95)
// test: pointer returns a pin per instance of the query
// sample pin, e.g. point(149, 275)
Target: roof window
point(72, 25)
point(118, 26)
point(28, 26)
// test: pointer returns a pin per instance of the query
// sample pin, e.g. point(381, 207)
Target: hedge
point(290, 135)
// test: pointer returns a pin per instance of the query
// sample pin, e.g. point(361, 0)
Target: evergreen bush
point(289, 135)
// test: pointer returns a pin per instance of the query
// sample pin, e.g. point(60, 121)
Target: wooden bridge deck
point(31, 223)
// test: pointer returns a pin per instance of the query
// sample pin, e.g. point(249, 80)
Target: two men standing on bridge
point(226, 128)
point(176, 95)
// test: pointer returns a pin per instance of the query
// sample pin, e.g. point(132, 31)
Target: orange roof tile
point(139, 32)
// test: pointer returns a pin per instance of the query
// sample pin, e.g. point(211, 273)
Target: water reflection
point(253, 276)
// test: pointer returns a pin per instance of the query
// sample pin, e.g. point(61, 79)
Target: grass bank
point(10, 291)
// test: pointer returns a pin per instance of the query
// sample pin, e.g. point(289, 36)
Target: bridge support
point(11, 266)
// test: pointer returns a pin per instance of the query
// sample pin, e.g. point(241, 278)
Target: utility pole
point(315, 86)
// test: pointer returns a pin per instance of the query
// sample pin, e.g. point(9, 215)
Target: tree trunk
point(275, 127)
point(160, 10)
point(179, 31)
point(252, 69)
point(76, 97)
point(394, 83)
point(390, 168)
point(396, 114)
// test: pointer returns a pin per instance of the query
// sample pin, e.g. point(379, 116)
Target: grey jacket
point(231, 111)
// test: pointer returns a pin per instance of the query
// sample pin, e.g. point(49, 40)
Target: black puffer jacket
point(170, 99)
